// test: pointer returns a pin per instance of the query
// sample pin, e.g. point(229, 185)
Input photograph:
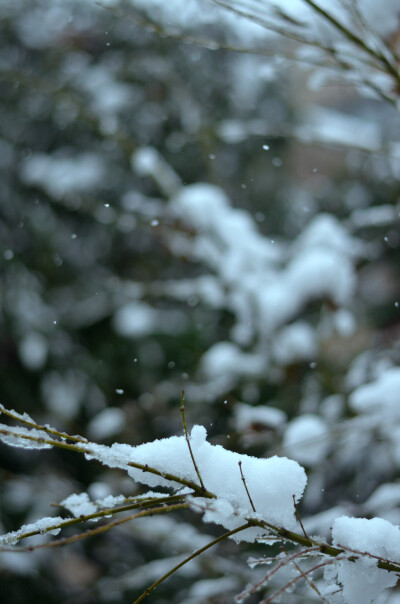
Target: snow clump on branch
point(271, 482)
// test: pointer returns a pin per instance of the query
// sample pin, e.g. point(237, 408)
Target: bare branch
point(255, 588)
point(296, 579)
point(91, 532)
point(299, 517)
point(245, 486)
point(308, 579)
point(188, 440)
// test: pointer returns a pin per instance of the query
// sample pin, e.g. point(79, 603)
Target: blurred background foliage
point(86, 235)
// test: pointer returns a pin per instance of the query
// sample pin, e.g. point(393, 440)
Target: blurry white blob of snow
point(135, 319)
point(209, 589)
point(294, 343)
point(208, 209)
point(147, 161)
point(380, 402)
point(107, 423)
point(138, 319)
point(61, 175)
point(33, 350)
point(385, 501)
point(328, 126)
point(64, 392)
point(225, 358)
point(344, 322)
point(263, 415)
point(307, 439)
point(381, 397)
point(362, 581)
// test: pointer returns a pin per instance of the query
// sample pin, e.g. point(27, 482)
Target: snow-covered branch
point(252, 498)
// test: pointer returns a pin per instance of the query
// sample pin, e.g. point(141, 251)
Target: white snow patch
point(79, 505)
point(362, 580)
point(271, 482)
point(23, 438)
point(42, 526)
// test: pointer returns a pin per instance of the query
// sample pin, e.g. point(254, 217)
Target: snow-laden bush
point(174, 217)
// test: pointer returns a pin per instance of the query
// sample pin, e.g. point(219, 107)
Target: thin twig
point(390, 68)
point(293, 581)
point(245, 486)
point(188, 440)
point(189, 558)
point(210, 44)
point(380, 62)
point(299, 517)
point(20, 418)
point(308, 580)
point(100, 514)
point(356, 551)
point(260, 584)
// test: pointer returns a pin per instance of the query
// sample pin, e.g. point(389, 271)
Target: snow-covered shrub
point(177, 218)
